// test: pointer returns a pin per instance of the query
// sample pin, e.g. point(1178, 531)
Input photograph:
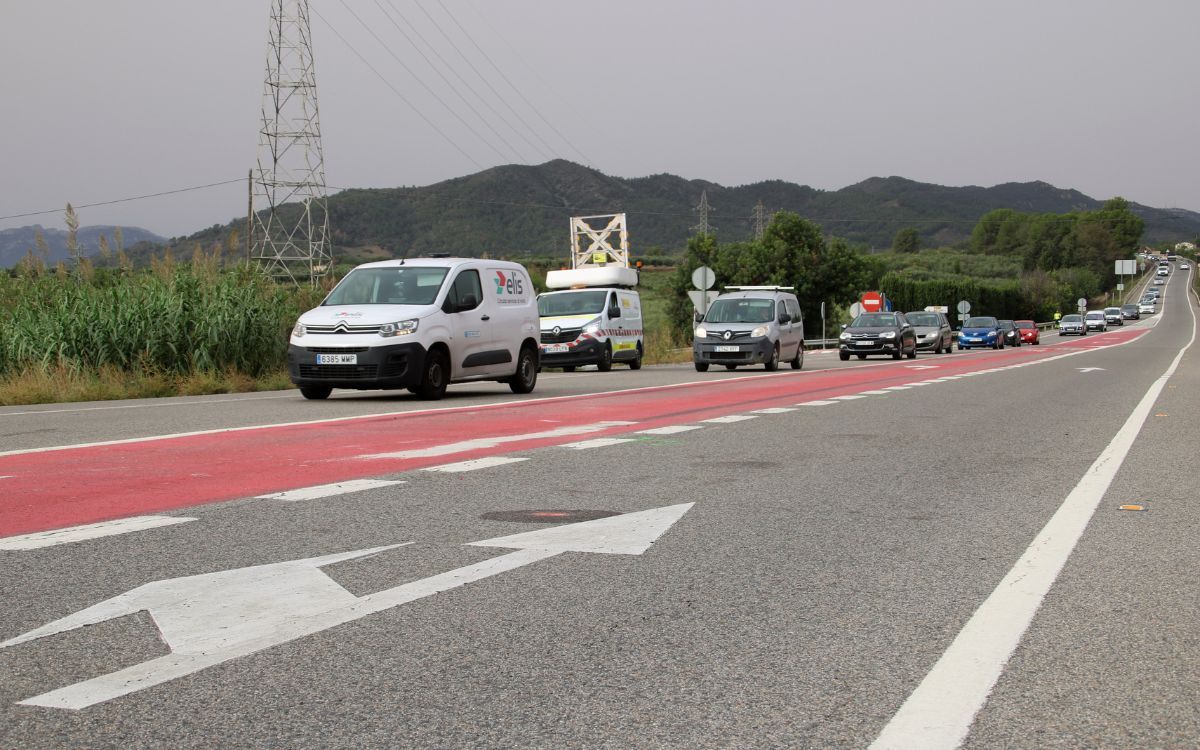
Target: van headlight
point(758, 332)
point(299, 330)
point(402, 328)
point(701, 332)
point(592, 327)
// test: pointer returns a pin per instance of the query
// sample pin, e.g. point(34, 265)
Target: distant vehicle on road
point(750, 325)
point(1184, 266)
point(1112, 316)
point(1095, 320)
point(878, 333)
point(1072, 325)
point(1159, 281)
point(1146, 307)
point(933, 331)
point(1029, 332)
point(1011, 337)
point(1130, 312)
point(979, 332)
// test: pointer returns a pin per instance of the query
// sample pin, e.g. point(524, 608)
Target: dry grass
point(46, 385)
point(664, 347)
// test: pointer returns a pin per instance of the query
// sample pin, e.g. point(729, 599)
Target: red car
point(1029, 332)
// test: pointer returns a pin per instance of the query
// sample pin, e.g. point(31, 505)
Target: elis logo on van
point(510, 284)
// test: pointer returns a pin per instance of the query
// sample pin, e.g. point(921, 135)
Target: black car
point(878, 333)
point(1130, 312)
point(1012, 337)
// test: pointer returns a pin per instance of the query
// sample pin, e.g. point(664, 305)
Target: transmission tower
point(760, 220)
point(703, 228)
point(289, 212)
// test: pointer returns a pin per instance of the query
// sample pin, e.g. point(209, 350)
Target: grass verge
point(48, 385)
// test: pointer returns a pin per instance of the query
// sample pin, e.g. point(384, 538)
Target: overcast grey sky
point(104, 99)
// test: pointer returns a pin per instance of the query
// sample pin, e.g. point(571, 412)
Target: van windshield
point(572, 303)
point(741, 310)
point(393, 285)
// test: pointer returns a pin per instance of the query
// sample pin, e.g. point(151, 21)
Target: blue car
point(981, 332)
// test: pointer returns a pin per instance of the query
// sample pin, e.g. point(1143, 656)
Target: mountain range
point(15, 243)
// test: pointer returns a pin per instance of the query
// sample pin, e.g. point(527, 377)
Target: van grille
point(733, 335)
point(337, 349)
point(565, 336)
point(338, 372)
point(340, 328)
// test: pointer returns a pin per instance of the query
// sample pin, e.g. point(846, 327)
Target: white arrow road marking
point(329, 490)
point(88, 531)
point(1090, 369)
point(215, 617)
point(493, 442)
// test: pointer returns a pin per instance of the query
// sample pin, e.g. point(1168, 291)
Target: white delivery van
point(420, 324)
point(591, 326)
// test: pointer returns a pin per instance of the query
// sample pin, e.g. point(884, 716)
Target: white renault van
point(591, 326)
point(420, 324)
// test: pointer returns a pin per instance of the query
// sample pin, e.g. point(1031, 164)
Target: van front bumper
point(587, 352)
point(375, 367)
point(748, 351)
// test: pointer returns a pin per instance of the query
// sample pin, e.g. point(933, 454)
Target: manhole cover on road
point(547, 515)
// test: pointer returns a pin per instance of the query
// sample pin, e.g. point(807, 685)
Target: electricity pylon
point(289, 211)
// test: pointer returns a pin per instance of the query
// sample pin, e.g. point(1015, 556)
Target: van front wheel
point(315, 392)
point(526, 376)
point(435, 377)
point(636, 362)
point(605, 363)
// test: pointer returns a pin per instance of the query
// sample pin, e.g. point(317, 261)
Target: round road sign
point(872, 301)
point(964, 307)
point(703, 278)
point(1082, 302)
point(856, 309)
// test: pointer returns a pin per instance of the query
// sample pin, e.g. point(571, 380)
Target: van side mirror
point(614, 312)
point(698, 317)
point(785, 319)
point(843, 326)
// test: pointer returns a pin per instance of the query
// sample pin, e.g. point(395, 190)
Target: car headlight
point(701, 332)
point(759, 332)
point(844, 337)
point(593, 327)
point(888, 335)
point(402, 328)
point(299, 330)
point(991, 334)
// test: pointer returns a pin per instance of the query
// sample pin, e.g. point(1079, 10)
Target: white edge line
point(476, 464)
point(70, 534)
point(729, 419)
point(602, 442)
point(670, 429)
point(329, 490)
point(938, 715)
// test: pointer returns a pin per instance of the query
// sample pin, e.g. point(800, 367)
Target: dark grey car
point(933, 331)
point(878, 333)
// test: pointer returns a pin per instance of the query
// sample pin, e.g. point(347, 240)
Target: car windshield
point(874, 320)
point(589, 302)
point(980, 323)
point(1071, 319)
point(1007, 325)
point(1112, 310)
point(391, 285)
point(923, 319)
point(741, 310)
point(1128, 308)
point(1025, 324)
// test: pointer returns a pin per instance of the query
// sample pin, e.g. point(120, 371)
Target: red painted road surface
point(71, 486)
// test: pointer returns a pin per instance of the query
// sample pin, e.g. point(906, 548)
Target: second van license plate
point(725, 349)
point(337, 359)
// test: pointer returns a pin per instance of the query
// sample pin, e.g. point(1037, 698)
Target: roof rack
point(763, 288)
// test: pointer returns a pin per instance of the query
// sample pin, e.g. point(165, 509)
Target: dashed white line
point(873, 393)
point(88, 531)
point(730, 418)
point(492, 442)
point(899, 388)
point(670, 429)
point(476, 464)
point(849, 397)
point(329, 490)
point(822, 402)
point(774, 410)
point(584, 445)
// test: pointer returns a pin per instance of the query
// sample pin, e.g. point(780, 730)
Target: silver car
point(1072, 324)
point(933, 331)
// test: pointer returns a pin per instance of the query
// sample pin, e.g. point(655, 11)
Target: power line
point(424, 85)
point(509, 82)
point(446, 81)
point(125, 200)
point(541, 154)
point(396, 91)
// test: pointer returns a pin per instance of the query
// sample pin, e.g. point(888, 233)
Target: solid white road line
point(492, 442)
point(899, 388)
point(939, 713)
point(584, 445)
point(730, 418)
point(476, 464)
point(329, 490)
point(671, 429)
point(88, 531)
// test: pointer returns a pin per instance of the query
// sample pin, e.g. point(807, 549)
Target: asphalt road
point(835, 552)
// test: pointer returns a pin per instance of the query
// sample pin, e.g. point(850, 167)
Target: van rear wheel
point(316, 392)
point(435, 377)
point(525, 378)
